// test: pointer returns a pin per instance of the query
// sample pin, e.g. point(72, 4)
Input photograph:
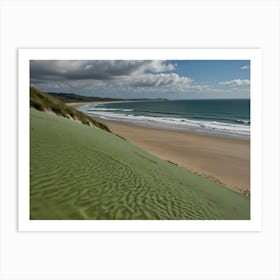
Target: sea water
point(220, 117)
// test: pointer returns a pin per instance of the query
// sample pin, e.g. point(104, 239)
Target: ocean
point(229, 118)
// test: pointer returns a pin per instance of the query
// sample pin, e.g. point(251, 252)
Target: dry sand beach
point(224, 160)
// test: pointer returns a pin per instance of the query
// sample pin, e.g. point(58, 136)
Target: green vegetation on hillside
point(71, 97)
point(44, 102)
point(77, 172)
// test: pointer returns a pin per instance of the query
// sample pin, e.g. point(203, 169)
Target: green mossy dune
point(46, 103)
point(80, 172)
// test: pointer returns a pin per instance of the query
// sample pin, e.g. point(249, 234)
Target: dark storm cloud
point(103, 76)
point(59, 70)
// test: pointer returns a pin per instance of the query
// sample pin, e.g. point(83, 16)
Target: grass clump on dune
point(81, 173)
point(44, 102)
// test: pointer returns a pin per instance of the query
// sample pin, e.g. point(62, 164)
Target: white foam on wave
point(110, 109)
point(224, 128)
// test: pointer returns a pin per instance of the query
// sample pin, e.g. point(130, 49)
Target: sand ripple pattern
point(78, 172)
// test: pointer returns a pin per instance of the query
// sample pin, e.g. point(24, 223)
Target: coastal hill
point(78, 172)
point(72, 97)
point(47, 103)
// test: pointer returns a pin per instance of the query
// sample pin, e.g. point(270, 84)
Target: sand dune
point(79, 172)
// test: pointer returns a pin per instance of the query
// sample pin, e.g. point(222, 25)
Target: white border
point(254, 55)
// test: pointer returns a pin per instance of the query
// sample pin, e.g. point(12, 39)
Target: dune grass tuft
point(44, 102)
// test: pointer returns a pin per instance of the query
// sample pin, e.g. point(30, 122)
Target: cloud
point(151, 80)
point(201, 88)
point(107, 76)
point(124, 79)
point(236, 82)
point(244, 67)
point(58, 70)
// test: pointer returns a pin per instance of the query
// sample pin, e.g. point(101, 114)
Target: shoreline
point(172, 128)
point(158, 125)
point(220, 159)
point(74, 104)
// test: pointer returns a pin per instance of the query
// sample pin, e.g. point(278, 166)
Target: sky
point(171, 79)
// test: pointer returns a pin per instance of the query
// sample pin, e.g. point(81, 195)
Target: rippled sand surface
point(78, 172)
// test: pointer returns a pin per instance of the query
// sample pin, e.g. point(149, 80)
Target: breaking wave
point(236, 127)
